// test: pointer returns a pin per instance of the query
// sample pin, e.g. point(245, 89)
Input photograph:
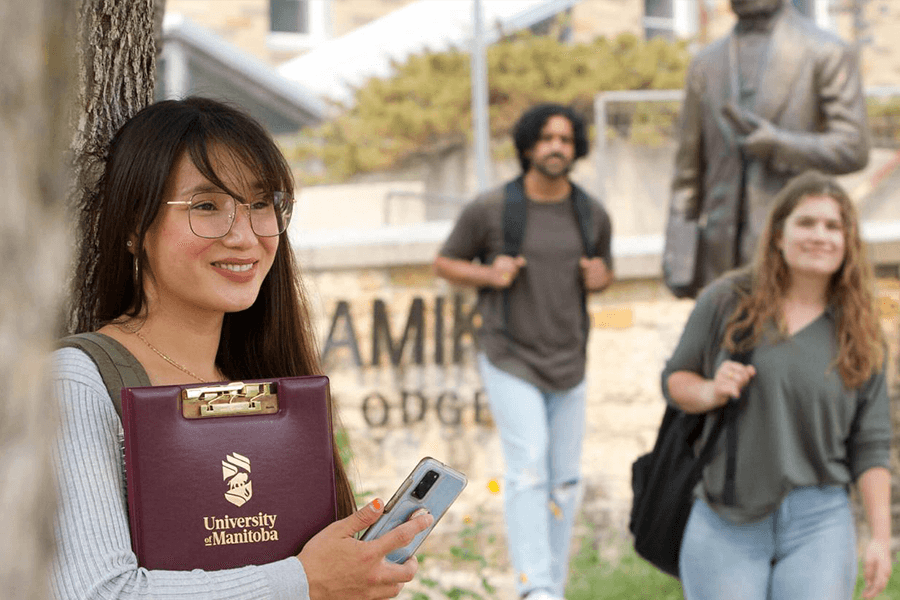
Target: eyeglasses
point(211, 214)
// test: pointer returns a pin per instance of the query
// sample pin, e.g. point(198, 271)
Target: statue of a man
point(773, 98)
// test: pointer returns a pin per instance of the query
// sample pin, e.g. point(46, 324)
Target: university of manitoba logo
point(236, 471)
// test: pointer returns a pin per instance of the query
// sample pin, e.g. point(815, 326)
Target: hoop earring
point(136, 271)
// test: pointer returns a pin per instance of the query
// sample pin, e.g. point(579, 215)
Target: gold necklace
point(167, 359)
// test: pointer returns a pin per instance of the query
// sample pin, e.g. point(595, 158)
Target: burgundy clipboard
point(227, 475)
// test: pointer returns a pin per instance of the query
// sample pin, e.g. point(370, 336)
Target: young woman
point(186, 263)
point(816, 417)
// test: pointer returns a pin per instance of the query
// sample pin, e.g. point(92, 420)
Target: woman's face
point(813, 239)
point(191, 274)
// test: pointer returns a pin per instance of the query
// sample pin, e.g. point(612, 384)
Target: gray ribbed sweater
point(94, 557)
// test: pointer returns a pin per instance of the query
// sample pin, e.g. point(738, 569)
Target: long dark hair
point(272, 338)
point(850, 290)
point(527, 130)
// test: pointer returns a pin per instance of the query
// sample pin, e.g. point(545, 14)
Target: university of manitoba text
point(240, 530)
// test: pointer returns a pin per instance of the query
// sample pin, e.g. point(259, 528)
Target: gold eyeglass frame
point(237, 203)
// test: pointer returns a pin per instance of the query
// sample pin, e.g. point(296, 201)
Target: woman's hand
point(339, 566)
point(695, 394)
point(875, 491)
point(877, 567)
point(729, 380)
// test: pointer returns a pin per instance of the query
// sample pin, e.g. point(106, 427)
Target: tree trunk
point(117, 66)
point(115, 49)
point(34, 135)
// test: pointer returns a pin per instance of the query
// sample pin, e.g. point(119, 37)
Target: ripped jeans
point(541, 434)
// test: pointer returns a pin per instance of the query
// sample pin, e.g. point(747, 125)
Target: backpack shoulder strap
point(581, 204)
point(514, 214)
point(514, 217)
point(730, 416)
point(515, 207)
point(118, 367)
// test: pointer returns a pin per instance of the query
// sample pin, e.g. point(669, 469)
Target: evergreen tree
point(426, 105)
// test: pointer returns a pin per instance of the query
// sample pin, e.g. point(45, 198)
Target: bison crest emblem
point(236, 472)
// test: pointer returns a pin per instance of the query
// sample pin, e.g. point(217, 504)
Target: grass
point(591, 575)
point(593, 578)
point(632, 578)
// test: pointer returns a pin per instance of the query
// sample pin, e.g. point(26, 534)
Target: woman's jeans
point(541, 434)
point(805, 549)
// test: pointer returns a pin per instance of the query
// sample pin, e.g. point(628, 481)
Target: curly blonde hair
point(859, 336)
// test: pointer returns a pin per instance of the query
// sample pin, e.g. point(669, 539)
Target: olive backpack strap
point(118, 367)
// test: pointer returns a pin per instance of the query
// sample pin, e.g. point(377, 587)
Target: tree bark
point(34, 136)
point(110, 45)
point(117, 66)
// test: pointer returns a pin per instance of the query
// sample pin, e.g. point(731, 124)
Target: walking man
point(541, 246)
point(773, 98)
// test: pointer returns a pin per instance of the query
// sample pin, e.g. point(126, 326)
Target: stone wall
point(396, 414)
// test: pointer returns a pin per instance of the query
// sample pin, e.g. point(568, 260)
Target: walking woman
point(816, 416)
point(186, 263)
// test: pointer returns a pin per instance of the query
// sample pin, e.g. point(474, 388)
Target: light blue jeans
point(541, 433)
point(806, 549)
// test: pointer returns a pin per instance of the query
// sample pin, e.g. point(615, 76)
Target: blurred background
point(372, 103)
point(371, 100)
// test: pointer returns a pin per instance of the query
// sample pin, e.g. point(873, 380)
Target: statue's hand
point(762, 141)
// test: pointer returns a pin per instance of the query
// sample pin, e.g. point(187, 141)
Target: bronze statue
point(773, 98)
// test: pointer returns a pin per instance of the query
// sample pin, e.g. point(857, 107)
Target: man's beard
point(551, 170)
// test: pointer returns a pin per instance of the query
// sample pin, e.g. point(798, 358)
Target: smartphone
point(432, 485)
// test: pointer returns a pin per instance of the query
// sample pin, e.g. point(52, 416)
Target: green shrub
point(426, 105)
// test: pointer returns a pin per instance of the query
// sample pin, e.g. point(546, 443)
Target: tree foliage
point(426, 105)
point(884, 121)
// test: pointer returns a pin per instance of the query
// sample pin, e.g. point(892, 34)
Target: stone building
point(276, 31)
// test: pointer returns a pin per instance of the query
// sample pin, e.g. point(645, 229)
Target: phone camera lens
point(424, 485)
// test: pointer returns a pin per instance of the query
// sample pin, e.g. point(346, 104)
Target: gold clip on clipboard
point(229, 399)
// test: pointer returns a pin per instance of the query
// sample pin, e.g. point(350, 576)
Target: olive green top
point(800, 426)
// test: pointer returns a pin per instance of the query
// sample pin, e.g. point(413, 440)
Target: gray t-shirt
point(546, 341)
point(800, 425)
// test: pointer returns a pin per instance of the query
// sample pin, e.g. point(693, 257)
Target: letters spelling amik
point(240, 530)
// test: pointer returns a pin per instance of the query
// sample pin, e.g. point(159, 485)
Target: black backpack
point(663, 480)
point(515, 212)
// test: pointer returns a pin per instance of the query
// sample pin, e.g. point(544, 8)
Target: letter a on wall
point(348, 337)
